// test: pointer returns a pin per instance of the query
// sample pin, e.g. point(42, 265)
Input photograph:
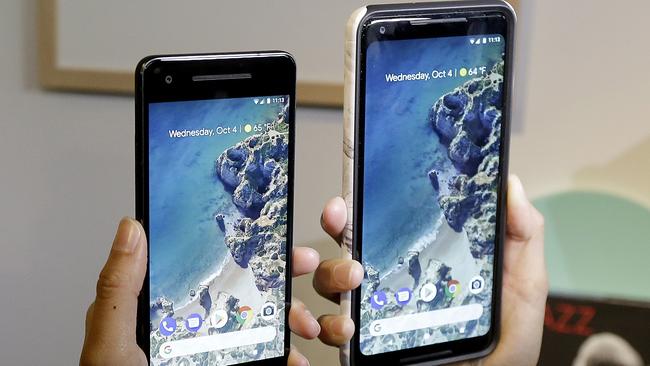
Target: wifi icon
point(256, 100)
point(472, 40)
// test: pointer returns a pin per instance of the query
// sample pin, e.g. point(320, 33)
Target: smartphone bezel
point(366, 34)
point(272, 73)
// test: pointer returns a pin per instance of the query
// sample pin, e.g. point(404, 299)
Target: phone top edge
point(147, 61)
point(271, 71)
point(440, 6)
point(449, 4)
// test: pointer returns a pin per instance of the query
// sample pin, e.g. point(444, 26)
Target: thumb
point(111, 323)
point(523, 218)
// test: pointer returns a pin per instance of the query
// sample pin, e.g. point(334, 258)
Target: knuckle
point(112, 282)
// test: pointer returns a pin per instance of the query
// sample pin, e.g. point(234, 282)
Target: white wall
point(67, 173)
point(586, 123)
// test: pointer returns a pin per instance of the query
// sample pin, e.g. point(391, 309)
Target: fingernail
point(516, 190)
point(127, 236)
point(348, 273)
point(313, 253)
point(314, 323)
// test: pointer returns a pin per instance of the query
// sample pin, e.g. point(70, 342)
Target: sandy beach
point(444, 245)
point(232, 280)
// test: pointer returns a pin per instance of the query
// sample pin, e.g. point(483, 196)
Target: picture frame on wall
point(93, 46)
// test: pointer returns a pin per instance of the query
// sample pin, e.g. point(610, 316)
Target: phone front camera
point(168, 79)
point(382, 29)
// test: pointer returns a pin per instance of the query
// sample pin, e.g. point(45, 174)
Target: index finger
point(333, 218)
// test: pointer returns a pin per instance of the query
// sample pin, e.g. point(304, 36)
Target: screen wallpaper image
point(432, 143)
point(218, 181)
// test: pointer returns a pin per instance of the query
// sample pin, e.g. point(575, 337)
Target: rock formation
point(256, 172)
point(469, 125)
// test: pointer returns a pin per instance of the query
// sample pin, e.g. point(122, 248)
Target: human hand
point(111, 320)
point(525, 285)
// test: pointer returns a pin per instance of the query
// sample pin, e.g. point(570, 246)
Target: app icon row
point(219, 319)
point(428, 292)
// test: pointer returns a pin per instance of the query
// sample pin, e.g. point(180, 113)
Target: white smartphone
point(427, 106)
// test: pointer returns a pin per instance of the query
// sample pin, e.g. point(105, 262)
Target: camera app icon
point(476, 285)
point(268, 311)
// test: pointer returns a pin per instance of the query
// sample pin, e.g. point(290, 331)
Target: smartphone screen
point(432, 129)
point(218, 192)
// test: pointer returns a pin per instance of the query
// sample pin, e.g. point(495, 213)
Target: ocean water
point(400, 205)
point(186, 245)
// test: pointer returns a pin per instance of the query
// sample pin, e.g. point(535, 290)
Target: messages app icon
point(193, 322)
point(403, 296)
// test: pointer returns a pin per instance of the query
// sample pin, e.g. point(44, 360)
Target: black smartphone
point(427, 113)
point(214, 191)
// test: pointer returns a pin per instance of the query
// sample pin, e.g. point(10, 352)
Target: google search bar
point(429, 319)
point(190, 346)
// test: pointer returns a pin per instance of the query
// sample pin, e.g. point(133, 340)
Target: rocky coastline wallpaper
point(218, 227)
point(430, 188)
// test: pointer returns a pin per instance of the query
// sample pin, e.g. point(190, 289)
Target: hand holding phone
point(523, 300)
point(111, 319)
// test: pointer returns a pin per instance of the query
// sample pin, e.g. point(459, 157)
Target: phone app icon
point(476, 285)
point(219, 318)
point(378, 300)
point(193, 322)
point(268, 311)
point(167, 326)
point(428, 292)
point(244, 314)
point(452, 289)
point(403, 296)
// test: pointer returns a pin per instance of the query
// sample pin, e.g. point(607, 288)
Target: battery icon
point(484, 40)
point(268, 100)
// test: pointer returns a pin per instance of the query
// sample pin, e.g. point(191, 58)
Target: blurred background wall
point(67, 175)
